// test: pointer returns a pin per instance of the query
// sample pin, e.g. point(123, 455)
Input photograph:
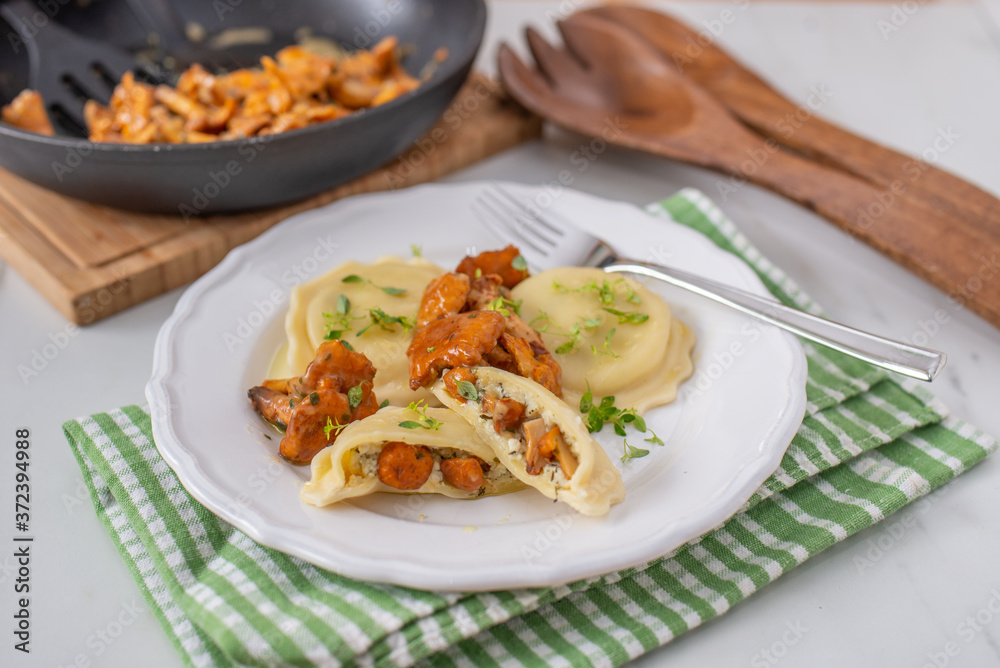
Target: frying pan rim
point(448, 69)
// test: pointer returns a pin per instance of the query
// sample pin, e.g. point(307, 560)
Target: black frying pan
point(192, 179)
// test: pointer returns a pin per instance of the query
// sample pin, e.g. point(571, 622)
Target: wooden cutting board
point(92, 261)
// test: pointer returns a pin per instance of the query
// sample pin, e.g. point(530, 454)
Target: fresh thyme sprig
point(504, 306)
point(605, 291)
point(606, 350)
point(332, 427)
point(387, 322)
point(341, 320)
point(572, 335)
point(424, 422)
point(605, 412)
point(354, 278)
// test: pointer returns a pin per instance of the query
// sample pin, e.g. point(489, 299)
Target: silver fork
point(547, 241)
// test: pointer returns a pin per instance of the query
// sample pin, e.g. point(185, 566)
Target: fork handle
point(913, 361)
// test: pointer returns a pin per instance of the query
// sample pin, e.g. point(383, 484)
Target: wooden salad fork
point(606, 78)
point(759, 105)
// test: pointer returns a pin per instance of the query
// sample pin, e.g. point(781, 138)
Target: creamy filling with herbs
point(517, 442)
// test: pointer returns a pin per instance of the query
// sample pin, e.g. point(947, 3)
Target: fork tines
point(509, 218)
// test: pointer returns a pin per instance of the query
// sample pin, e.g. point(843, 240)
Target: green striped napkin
point(869, 444)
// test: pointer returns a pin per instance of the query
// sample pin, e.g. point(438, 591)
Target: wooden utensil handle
point(915, 177)
point(952, 256)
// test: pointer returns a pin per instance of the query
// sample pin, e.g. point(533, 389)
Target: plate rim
point(406, 573)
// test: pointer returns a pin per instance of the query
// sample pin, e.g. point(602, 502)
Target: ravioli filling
point(412, 467)
point(531, 438)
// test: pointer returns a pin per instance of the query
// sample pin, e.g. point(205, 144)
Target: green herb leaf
point(410, 424)
point(498, 306)
point(354, 396)
point(347, 345)
point(519, 263)
point(385, 402)
point(606, 293)
point(417, 250)
point(566, 348)
point(606, 349)
point(655, 440)
point(468, 390)
point(595, 421)
point(314, 398)
point(628, 317)
point(354, 278)
point(343, 305)
point(587, 400)
point(387, 322)
point(632, 452)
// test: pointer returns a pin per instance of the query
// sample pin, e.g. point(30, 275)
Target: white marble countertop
point(939, 70)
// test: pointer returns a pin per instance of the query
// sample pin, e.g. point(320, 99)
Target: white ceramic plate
point(724, 435)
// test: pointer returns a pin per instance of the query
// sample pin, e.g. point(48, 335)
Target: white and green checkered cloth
point(868, 446)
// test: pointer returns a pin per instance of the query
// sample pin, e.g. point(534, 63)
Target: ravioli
point(579, 474)
point(306, 326)
point(349, 467)
point(640, 364)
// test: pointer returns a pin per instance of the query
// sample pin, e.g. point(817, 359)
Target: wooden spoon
point(760, 106)
point(608, 84)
